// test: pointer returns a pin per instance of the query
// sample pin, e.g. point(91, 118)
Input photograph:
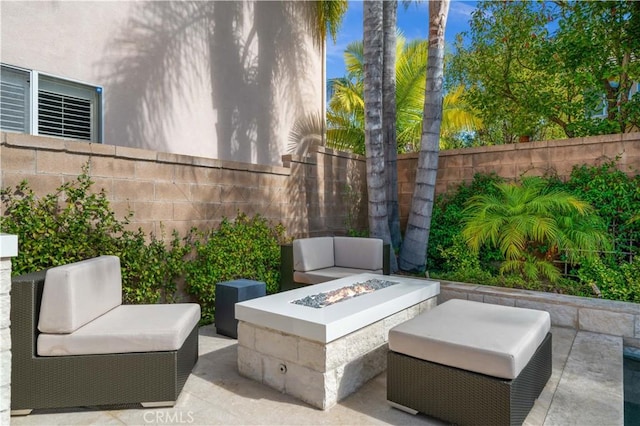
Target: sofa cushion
point(125, 329)
point(358, 253)
point(312, 253)
point(79, 292)
point(489, 339)
point(327, 274)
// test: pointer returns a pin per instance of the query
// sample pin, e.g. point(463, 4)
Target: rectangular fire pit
point(323, 354)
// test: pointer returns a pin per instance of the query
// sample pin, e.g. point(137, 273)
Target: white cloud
point(461, 9)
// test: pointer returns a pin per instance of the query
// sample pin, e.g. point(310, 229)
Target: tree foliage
point(345, 117)
point(549, 67)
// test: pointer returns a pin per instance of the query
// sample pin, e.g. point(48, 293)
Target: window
point(40, 104)
point(597, 106)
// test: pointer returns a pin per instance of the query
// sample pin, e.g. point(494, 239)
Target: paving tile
point(590, 391)
point(216, 394)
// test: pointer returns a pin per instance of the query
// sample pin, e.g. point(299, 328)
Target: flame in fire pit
point(327, 298)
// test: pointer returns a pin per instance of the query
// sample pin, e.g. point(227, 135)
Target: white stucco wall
point(223, 79)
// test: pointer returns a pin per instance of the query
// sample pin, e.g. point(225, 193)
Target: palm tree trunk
point(390, 15)
point(414, 248)
point(374, 144)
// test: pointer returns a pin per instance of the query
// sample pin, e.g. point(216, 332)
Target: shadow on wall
point(253, 56)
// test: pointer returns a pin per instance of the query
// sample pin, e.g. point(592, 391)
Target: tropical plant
point(374, 141)
point(345, 117)
point(389, 25)
point(446, 222)
point(414, 248)
point(328, 17)
point(532, 225)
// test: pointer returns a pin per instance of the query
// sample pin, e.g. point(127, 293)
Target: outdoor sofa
point(314, 260)
point(75, 344)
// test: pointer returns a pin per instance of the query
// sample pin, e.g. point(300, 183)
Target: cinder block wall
point(515, 160)
point(169, 191)
point(322, 194)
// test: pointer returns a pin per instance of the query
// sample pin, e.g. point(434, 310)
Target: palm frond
point(305, 134)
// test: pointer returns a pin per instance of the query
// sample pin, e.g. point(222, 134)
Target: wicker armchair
point(154, 378)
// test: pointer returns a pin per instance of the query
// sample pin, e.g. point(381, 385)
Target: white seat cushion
point(490, 339)
point(76, 293)
point(358, 253)
point(312, 253)
point(127, 328)
point(327, 274)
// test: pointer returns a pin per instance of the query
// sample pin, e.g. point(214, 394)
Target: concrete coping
point(8, 245)
point(616, 318)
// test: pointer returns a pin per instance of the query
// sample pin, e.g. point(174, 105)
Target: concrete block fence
point(320, 194)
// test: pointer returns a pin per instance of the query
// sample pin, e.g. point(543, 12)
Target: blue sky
point(413, 21)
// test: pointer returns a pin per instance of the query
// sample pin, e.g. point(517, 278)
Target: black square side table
point(229, 293)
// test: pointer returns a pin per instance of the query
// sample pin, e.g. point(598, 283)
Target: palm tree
point(413, 255)
point(374, 144)
point(328, 17)
point(532, 225)
point(345, 117)
point(390, 18)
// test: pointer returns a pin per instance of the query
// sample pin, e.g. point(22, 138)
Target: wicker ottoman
point(470, 363)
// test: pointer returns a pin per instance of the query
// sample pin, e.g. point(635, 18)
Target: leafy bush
point(616, 282)
point(74, 224)
point(68, 225)
point(245, 248)
point(614, 195)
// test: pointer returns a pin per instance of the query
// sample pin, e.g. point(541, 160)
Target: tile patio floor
point(585, 388)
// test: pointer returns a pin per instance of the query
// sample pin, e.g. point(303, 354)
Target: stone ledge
point(581, 313)
point(8, 245)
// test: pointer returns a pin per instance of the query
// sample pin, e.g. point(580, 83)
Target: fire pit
point(321, 354)
point(327, 298)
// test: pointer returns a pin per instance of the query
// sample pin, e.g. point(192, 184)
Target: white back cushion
point(358, 253)
point(79, 292)
point(312, 253)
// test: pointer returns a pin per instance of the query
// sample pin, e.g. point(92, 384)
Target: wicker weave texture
point(464, 397)
point(86, 380)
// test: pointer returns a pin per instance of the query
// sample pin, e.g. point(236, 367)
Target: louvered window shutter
point(14, 100)
point(64, 115)
point(68, 109)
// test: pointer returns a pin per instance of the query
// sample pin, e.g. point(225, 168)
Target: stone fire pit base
point(320, 374)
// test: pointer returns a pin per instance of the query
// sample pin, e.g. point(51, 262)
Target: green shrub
point(74, 223)
point(616, 198)
point(68, 225)
point(613, 281)
point(245, 248)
